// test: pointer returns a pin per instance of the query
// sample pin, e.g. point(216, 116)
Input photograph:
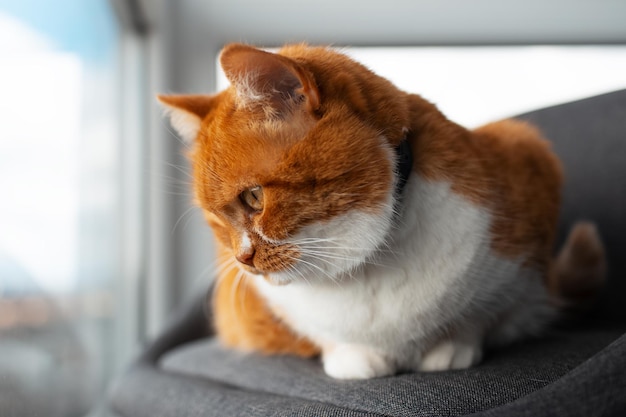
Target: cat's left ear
point(268, 79)
point(186, 112)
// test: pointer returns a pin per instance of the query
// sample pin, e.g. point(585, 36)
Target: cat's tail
point(578, 273)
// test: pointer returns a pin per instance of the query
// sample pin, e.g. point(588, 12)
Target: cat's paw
point(355, 362)
point(451, 355)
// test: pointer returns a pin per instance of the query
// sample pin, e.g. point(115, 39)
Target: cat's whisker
point(328, 255)
point(311, 240)
point(189, 211)
point(328, 251)
point(222, 264)
point(234, 292)
point(351, 248)
point(182, 169)
point(228, 266)
point(293, 268)
point(209, 172)
point(367, 261)
point(175, 135)
point(176, 193)
point(223, 259)
point(316, 267)
point(212, 266)
point(330, 262)
point(173, 181)
point(245, 281)
point(387, 243)
point(315, 239)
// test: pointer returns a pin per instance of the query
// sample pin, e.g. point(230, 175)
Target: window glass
point(476, 85)
point(59, 204)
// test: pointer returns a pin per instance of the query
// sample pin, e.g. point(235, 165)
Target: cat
point(358, 223)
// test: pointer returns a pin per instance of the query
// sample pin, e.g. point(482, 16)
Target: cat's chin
point(273, 278)
point(278, 279)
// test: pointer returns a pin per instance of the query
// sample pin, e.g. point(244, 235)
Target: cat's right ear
point(274, 81)
point(186, 112)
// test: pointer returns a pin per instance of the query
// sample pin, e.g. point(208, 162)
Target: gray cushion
point(502, 378)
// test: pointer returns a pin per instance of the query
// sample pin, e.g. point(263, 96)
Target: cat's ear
point(186, 112)
point(269, 79)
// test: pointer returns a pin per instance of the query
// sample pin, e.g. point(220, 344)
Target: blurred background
point(99, 242)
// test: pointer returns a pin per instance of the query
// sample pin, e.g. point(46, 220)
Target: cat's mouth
point(271, 276)
point(251, 270)
point(277, 279)
point(274, 278)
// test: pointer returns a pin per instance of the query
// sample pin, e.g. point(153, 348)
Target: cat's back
point(525, 179)
point(517, 144)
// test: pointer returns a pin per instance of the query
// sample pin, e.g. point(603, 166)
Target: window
point(476, 85)
point(60, 205)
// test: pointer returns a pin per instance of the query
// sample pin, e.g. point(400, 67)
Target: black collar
point(404, 165)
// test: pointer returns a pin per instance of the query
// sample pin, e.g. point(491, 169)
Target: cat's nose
point(246, 258)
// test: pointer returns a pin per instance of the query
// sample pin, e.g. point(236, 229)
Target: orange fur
point(319, 131)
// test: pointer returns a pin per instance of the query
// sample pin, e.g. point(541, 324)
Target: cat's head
point(294, 163)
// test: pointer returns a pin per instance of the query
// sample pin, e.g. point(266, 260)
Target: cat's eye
point(253, 198)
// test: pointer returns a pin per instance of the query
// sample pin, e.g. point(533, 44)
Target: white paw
point(355, 362)
point(451, 355)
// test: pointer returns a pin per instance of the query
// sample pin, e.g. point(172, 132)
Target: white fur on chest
point(436, 271)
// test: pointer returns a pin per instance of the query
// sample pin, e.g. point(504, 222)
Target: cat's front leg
point(449, 354)
point(347, 361)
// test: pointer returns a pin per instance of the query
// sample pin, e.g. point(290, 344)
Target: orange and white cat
point(360, 223)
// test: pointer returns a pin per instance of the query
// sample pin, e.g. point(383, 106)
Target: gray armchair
point(577, 369)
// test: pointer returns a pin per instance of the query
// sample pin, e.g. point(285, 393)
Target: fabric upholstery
point(503, 377)
point(589, 136)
